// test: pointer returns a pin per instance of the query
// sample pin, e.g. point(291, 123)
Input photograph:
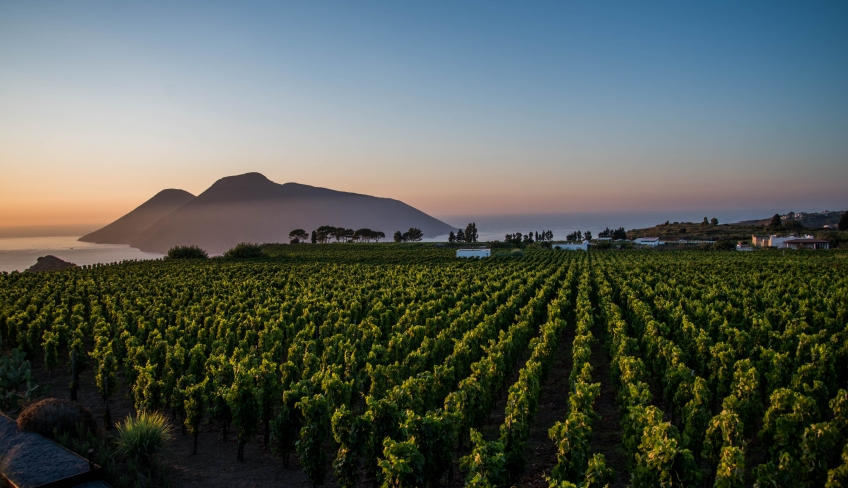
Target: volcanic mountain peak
point(252, 208)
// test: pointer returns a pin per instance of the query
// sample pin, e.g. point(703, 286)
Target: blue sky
point(454, 107)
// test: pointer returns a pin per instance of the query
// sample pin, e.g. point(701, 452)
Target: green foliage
point(243, 399)
point(486, 464)
point(16, 382)
point(316, 429)
point(402, 464)
point(245, 250)
point(186, 252)
point(143, 437)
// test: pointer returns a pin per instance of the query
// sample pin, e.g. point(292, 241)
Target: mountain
point(131, 225)
point(252, 208)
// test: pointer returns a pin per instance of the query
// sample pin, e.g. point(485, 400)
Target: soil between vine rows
point(553, 407)
point(606, 432)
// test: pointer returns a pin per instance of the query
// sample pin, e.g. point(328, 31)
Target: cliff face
point(251, 208)
point(131, 225)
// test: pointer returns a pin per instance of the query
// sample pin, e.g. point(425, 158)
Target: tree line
point(326, 233)
point(530, 237)
point(467, 235)
point(616, 234)
point(579, 236)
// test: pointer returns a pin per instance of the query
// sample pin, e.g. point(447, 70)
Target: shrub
point(143, 437)
point(245, 250)
point(53, 415)
point(187, 252)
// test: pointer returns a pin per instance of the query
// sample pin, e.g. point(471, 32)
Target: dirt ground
point(553, 407)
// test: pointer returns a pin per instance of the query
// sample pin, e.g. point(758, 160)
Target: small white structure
point(783, 242)
point(473, 253)
point(806, 243)
point(741, 246)
point(647, 241)
point(583, 246)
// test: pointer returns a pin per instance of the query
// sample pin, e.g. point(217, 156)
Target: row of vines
point(730, 370)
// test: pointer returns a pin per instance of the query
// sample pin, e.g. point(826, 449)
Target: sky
point(457, 108)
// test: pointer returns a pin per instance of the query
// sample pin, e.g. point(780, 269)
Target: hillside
point(741, 231)
point(252, 208)
point(130, 226)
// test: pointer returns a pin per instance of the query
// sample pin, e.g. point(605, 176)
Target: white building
point(473, 253)
point(741, 246)
point(806, 243)
point(583, 246)
point(647, 241)
point(790, 242)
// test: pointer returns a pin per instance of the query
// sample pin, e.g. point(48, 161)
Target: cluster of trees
point(467, 235)
point(325, 233)
point(713, 221)
point(579, 236)
point(777, 223)
point(412, 235)
point(530, 237)
point(186, 252)
point(613, 233)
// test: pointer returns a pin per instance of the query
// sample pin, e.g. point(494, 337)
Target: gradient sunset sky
point(453, 107)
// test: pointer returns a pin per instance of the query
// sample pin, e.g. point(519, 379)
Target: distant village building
point(647, 241)
point(806, 243)
point(473, 253)
point(789, 242)
point(582, 246)
point(741, 246)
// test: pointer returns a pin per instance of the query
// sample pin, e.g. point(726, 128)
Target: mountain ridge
point(252, 208)
point(129, 226)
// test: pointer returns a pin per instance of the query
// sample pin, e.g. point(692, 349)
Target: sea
point(19, 253)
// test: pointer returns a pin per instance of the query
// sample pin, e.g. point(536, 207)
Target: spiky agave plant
point(142, 437)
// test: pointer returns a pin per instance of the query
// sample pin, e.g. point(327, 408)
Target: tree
point(460, 236)
point(245, 250)
point(775, 222)
point(588, 235)
point(714, 221)
point(705, 222)
point(414, 234)
point(298, 235)
point(471, 232)
point(843, 222)
point(314, 237)
point(398, 236)
point(451, 237)
point(187, 252)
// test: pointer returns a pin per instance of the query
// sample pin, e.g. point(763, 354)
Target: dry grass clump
point(55, 415)
point(143, 437)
